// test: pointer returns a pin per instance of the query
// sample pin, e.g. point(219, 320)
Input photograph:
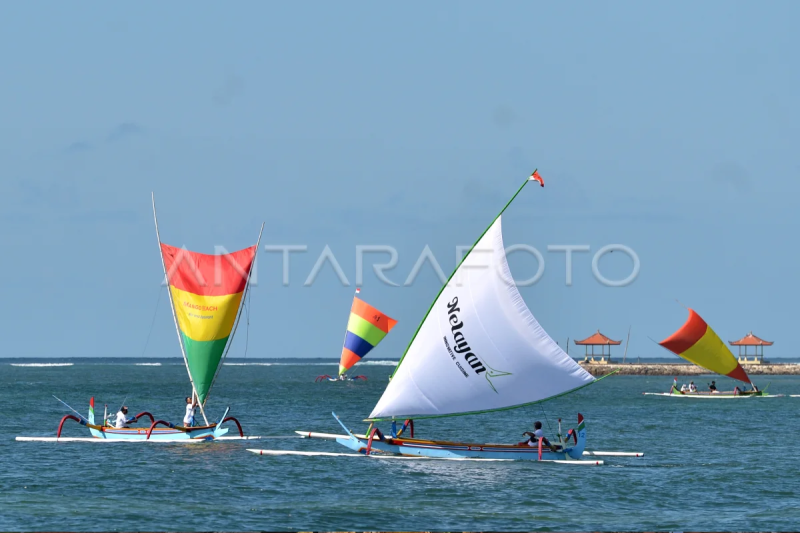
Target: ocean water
point(708, 465)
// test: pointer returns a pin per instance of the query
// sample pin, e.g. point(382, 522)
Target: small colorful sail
point(365, 329)
point(696, 342)
point(206, 293)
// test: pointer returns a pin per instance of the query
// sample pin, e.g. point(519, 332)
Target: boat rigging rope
point(155, 313)
point(549, 428)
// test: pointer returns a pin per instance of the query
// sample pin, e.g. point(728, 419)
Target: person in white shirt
point(191, 405)
point(122, 417)
point(684, 388)
point(692, 387)
point(537, 434)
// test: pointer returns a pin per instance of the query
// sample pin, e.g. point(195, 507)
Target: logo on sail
point(462, 348)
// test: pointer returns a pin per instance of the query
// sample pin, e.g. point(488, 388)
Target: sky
point(670, 128)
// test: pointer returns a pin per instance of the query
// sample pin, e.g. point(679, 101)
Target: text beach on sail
point(478, 349)
point(366, 327)
point(696, 342)
point(206, 293)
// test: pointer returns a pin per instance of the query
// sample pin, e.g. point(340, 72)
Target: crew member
point(538, 433)
point(122, 417)
point(191, 405)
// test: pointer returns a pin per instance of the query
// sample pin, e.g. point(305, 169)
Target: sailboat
point(206, 293)
point(696, 342)
point(478, 349)
point(366, 327)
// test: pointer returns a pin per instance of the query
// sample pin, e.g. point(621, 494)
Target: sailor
point(122, 417)
point(191, 405)
point(713, 386)
point(538, 433)
point(755, 389)
point(684, 388)
point(692, 387)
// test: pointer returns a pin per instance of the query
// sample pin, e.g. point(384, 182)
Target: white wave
point(148, 364)
point(378, 363)
point(41, 364)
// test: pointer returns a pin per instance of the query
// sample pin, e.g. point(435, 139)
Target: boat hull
point(159, 434)
point(709, 395)
point(455, 450)
point(460, 450)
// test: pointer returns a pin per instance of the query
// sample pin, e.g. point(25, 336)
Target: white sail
point(480, 348)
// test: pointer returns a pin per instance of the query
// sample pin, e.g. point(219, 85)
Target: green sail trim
point(454, 273)
point(414, 417)
point(203, 358)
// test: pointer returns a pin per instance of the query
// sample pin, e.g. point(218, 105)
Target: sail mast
point(172, 307)
point(238, 311)
point(456, 270)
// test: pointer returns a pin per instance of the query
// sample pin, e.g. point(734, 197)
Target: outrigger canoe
point(366, 327)
point(478, 349)
point(206, 294)
point(721, 395)
point(157, 430)
point(696, 342)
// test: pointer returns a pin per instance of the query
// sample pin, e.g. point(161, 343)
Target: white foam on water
point(148, 364)
point(41, 364)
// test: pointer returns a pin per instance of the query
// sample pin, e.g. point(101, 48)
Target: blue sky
point(668, 127)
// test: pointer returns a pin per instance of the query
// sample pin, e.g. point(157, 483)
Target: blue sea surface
point(708, 465)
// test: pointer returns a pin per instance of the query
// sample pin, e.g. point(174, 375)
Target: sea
point(707, 465)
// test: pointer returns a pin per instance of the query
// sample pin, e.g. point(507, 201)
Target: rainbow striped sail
point(206, 292)
point(365, 329)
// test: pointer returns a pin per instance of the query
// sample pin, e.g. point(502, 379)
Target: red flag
point(536, 177)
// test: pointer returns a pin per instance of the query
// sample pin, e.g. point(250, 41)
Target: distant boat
point(696, 342)
point(366, 327)
point(206, 294)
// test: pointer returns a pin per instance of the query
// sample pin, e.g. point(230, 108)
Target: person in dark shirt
point(713, 386)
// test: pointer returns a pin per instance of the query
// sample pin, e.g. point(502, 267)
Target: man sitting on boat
point(122, 417)
point(537, 434)
point(713, 386)
point(692, 387)
point(684, 388)
point(191, 405)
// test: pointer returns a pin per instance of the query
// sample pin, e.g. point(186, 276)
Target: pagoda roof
point(597, 339)
point(750, 340)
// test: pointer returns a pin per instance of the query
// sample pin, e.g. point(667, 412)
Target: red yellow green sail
point(365, 329)
point(696, 342)
point(206, 293)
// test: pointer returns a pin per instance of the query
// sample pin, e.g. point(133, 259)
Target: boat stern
point(576, 452)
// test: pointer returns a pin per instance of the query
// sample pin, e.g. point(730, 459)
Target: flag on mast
point(536, 177)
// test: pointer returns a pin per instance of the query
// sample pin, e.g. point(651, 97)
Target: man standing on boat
point(191, 405)
point(122, 417)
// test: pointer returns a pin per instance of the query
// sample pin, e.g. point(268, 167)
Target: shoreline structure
point(681, 369)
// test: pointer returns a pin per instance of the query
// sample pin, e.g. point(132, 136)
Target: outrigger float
point(478, 349)
point(696, 342)
point(206, 293)
point(366, 327)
